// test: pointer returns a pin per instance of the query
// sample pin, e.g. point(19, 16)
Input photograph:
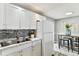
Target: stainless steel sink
point(7, 43)
point(10, 42)
point(4, 44)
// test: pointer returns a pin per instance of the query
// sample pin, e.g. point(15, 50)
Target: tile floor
point(63, 51)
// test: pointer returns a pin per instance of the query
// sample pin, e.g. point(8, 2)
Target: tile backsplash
point(9, 33)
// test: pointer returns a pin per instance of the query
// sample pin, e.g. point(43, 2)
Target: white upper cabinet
point(2, 21)
point(27, 20)
point(11, 17)
point(32, 21)
point(24, 19)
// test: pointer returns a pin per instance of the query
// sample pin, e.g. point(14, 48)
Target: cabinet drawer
point(9, 50)
point(36, 42)
point(22, 46)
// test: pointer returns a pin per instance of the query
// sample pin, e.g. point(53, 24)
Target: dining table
point(72, 36)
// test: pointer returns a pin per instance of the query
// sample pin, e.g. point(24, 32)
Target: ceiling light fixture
point(68, 13)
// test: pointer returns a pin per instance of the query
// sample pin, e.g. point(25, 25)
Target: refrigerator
point(45, 31)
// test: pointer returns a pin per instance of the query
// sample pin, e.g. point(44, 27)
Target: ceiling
point(53, 10)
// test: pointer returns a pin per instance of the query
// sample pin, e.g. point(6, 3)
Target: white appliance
point(45, 31)
point(48, 37)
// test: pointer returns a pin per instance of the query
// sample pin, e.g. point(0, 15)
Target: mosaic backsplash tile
point(12, 33)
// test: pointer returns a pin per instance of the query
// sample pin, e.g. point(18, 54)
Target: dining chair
point(69, 43)
point(66, 41)
point(60, 39)
point(76, 44)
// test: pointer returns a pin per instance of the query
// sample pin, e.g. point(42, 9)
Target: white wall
point(74, 21)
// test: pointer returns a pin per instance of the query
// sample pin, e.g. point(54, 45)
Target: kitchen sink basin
point(10, 42)
point(6, 43)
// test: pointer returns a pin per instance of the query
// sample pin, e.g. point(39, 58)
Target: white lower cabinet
point(36, 49)
point(26, 49)
point(11, 17)
point(0, 52)
point(10, 51)
point(17, 53)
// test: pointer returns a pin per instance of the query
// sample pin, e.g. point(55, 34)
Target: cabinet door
point(24, 19)
point(0, 52)
point(11, 17)
point(27, 51)
point(14, 54)
point(10, 51)
point(32, 21)
point(27, 21)
point(2, 16)
point(36, 48)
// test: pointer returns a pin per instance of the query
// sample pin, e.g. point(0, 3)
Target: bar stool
point(60, 40)
point(69, 42)
point(66, 40)
point(76, 44)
